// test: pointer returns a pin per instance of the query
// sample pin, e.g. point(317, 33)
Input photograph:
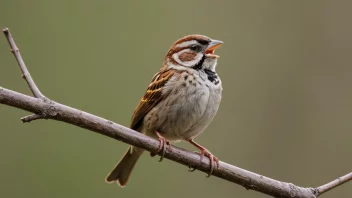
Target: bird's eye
point(195, 48)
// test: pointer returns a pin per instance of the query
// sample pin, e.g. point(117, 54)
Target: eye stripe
point(186, 43)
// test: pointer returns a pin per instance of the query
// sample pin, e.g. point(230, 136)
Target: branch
point(25, 73)
point(333, 184)
point(45, 108)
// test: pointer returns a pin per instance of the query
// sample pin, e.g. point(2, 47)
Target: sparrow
point(180, 102)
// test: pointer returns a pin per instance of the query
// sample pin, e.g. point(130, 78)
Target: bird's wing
point(152, 96)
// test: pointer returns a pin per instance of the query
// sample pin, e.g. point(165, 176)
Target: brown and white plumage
point(180, 102)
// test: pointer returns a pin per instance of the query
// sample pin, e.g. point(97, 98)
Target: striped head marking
point(191, 51)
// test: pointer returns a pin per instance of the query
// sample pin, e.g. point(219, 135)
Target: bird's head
point(193, 51)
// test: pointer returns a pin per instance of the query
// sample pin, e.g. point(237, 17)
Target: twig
point(60, 112)
point(25, 73)
point(30, 118)
point(333, 184)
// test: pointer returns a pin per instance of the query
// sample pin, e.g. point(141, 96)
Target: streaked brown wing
point(152, 97)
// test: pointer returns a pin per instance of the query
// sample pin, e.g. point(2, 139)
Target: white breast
point(191, 103)
point(212, 106)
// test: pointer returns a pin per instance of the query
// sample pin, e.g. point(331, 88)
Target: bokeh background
point(287, 103)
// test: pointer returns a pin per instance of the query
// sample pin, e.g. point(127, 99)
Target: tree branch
point(48, 109)
point(333, 184)
point(25, 73)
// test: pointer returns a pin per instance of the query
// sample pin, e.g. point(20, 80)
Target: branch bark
point(48, 109)
point(25, 73)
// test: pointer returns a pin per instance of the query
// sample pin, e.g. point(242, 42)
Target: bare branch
point(56, 111)
point(333, 184)
point(25, 73)
point(60, 112)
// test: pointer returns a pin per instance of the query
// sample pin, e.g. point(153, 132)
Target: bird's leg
point(165, 141)
point(204, 151)
point(162, 146)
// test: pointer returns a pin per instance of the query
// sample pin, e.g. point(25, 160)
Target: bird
point(179, 104)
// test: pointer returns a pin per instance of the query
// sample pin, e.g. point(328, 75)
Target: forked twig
point(25, 74)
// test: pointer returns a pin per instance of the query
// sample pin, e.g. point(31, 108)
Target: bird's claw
point(212, 159)
point(162, 146)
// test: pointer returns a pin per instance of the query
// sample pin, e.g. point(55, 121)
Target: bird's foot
point(205, 152)
point(162, 146)
point(212, 158)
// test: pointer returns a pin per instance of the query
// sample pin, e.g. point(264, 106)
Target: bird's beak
point(214, 44)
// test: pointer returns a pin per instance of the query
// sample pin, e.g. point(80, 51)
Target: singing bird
point(180, 102)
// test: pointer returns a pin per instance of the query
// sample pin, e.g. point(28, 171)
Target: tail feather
point(123, 169)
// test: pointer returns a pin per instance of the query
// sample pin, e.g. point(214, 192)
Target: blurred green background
point(287, 102)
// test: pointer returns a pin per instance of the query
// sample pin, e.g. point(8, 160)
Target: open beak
point(214, 44)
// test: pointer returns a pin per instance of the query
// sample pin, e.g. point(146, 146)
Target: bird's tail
point(123, 169)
